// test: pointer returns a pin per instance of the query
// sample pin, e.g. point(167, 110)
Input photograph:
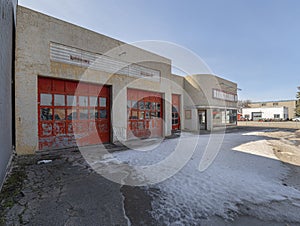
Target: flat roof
point(271, 101)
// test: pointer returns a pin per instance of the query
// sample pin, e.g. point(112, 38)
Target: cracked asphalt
point(68, 192)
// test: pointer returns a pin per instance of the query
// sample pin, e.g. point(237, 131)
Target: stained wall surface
point(7, 25)
point(38, 37)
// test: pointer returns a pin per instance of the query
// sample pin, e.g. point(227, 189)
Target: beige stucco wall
point(200, 87)
point(35, 31)
point(177, 87)
point(290, 104)
point(199, 95)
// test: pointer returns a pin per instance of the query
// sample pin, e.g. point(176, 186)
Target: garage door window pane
point(103, 114)
point(93, 101)
point(46, 99)
point(153, 106)
point(153, 114)
point(140, 125)
point(141, 105)
point(72, 114)
point(83, 114)
point(93, 113)
point(148, 105)
point(71, 100)
point(158, 114)
point(147, 115)
point(134, 104)
point(46, 129)
point(158, 106)
point(46, 114)
point(83, 101)
point(59, 114)
point(102, 102)
point(141, 115)
point(134, 115)
point(59, 100)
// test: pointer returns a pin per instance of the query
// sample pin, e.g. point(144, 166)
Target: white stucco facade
point(276, 113)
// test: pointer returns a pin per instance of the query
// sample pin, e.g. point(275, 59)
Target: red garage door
point(145, 114)
point(175, 112)
point(72, 113)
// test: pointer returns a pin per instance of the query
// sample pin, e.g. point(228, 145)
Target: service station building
point(77, 87)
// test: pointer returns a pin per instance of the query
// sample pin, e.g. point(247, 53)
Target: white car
point(296, 119)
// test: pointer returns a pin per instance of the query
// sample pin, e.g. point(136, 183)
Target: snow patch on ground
point(260, 148)
point(234, 181)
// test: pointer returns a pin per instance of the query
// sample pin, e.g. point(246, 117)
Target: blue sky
point(255, 43)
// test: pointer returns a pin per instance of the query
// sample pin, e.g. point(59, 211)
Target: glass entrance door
point(202, 119)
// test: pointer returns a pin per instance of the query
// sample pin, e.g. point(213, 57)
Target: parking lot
point(246, 184)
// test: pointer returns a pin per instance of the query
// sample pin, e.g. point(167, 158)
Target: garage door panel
point(94, 90)
point(59, 128)
point(45, 85)
point(70, 129)
point(58, 86)
point(68, 115)
point(144, 114)
point(71, 87)
point(82, 89)
point(46, 129)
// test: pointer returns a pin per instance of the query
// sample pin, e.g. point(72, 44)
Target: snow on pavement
point(233, 181)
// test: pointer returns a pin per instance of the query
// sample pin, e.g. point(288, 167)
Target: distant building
point(289, 104)
point(271, 113)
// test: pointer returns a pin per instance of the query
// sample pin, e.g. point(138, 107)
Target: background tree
point(298, 102)
point(244, 103)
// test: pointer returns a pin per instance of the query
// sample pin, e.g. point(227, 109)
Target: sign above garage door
point(70, 55)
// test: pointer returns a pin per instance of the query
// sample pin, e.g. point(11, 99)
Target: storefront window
point(223, 117)
point(217, 117)
point(231, 117)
